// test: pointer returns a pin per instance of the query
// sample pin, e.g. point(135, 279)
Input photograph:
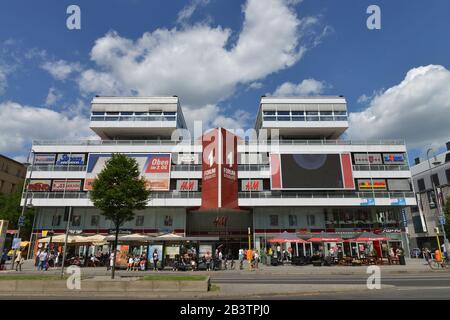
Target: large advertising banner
point(319, 171)
point(40, 185)
point(66, 185)
point(154, 167)
point(71, 159)
point(44, 159)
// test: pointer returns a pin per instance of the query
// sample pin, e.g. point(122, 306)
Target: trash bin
point(401, 260)
point(268, 260)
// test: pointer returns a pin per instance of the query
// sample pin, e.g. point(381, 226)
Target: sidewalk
point(412, 266)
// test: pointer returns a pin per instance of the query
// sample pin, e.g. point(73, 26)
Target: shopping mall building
point(294, 172)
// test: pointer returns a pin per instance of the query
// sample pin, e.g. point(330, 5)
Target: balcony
point(111, 142)
point(379, 167)
point(324, 194)
point(323, 142)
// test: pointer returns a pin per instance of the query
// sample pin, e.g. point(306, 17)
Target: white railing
point(111, 142)
point(380, 167)
point(323, 142)
point(85, 195)
point(324, 194)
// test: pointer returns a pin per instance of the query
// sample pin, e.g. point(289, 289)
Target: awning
point(135, 237)
point(286, 237)
point(369, 236)
point(61, 239)
point(326, 237)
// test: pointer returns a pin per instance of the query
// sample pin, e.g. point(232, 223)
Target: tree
point(447, 216)
point(117, 191)
point(11, 210)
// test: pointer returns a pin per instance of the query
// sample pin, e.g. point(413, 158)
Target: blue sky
point(396, 80)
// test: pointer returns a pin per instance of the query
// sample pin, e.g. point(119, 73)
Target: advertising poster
point(66, 185)
point(154, 167)
point(122, 256)
point(393, 158)
point(44, 159)
point(172, 251)
point(371, 158)
point(204, 249)
point(151, 249)
point(39, 185)
point(365, 184)
point(187, 185)
point(71, 159)
point(251, 185)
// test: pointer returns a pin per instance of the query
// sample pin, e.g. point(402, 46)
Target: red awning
point(281, 240)
point(325, 239)
point(369, 236)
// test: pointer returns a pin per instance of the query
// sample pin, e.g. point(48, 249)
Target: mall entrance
point(230, 226)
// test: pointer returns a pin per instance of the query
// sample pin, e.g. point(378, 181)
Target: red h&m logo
point(252, 185)
point(187, 185)
point(220, 221)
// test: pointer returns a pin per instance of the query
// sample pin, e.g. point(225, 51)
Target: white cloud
point(3, 80)
point(256, 85)
point(200, 63)
point(21, 124)
point(189, 10)
point(53, 96)
point(60, 69)
point(417, 110)
point(305, 88)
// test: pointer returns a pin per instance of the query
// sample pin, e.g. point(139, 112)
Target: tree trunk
point(115, 251)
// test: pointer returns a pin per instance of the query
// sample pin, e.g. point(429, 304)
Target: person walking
point(256, 258)
point(43, 256)
point(19, 261)
point(3, 259)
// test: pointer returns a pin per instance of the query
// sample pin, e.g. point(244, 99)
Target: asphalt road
point(441, 280)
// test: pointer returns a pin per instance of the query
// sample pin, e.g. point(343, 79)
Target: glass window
point(297, 118)
point(421, 184)
point(431, 199)
point(166, 113)
point(269, 113)
point(56, 220)
point(154, 113)
point(447, 173)
point(297, 113)
point(284, 118)
point(273, 220)
point(140, 113)
point(139, 221)
point(311, 220)
point(340, 113)
point(435, 179)
point(340, 118)
point(168, 221)
point(76, 220)
point(292, 220)
point(126, 113)
point(312, 113)
point(112, 113)
point(95, 113)
point(283, 113)
point(326, 113)
point(95, 220)
point(270, 118)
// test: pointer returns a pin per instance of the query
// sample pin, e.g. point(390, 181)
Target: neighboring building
point(12, 174)
point(309, 180)
point(423, 218)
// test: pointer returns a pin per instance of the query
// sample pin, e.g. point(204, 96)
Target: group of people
point(137, 262)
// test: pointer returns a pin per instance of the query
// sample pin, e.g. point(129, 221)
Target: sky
point(220, 57)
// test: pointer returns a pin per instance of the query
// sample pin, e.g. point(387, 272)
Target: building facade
point(12, 174)
point(423, 219)
point(294, 172)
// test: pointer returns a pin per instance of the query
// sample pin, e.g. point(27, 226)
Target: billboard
point(66, 185)
point(42, 159)
point(394, 158)
point(399, 184)
point(186, 158)
point(367, 158)
point(71, 159)
point(40, 185)
point(321, 171)
point(187, 185)
point(365, 184)
point(154, 167)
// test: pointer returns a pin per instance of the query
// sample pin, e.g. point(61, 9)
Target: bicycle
point(436, 265)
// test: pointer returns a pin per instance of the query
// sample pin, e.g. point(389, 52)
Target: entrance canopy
point(286, 237)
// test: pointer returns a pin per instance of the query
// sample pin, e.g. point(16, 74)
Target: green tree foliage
point(10, 210)
point(118, 191)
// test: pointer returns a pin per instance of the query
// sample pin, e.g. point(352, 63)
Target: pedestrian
point(111, 260)
point(155, 260)
point(19, 261)
point(208, 261)
point(3, 259)
point(142, 262)
point(256, 258)
point(130, 263)
point(36, 260)
point(43, 256)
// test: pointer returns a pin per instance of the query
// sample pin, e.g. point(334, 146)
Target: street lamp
point(25, 205)
point(436, 195)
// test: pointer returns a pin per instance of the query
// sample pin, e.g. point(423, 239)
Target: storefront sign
point(187, 185)
point(392, 230)
point(364, 158)
point(187, 158)
point(252, 185)
point(379, 184)
point(71, 159)
point(367, 202)
point(40, 159)
point(393, 158)
point(66, 185)
point(398, 202)
point(220, 221)
point(39, 185)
